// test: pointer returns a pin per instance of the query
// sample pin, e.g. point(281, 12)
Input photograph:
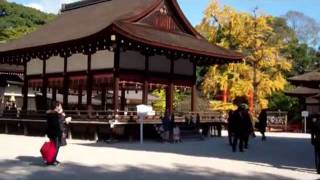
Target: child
point(176, 134)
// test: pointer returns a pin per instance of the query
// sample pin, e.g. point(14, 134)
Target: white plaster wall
point(132, 60)
point(55, 64)
point(183, 67)
point(159, 64)
point(34, 67)
point(102, 60)
point(77, 62)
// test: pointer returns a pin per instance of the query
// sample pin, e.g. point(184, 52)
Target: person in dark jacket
point(262, 123)
point(248, 127)
point(230, 126)
point(238, 129)
point(315, 139)
point(242, 127)
point(55, 120)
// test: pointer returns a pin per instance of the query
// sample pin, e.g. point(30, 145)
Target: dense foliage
point(17, 20)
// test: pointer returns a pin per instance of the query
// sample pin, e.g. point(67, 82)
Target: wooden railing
point(120, 116)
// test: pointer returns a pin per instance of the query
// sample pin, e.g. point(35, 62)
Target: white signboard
point(304, 113)
point(143, 111)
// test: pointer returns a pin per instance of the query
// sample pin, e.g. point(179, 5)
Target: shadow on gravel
point(280, 152)
point(28, 168)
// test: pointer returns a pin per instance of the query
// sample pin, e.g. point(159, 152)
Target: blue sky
point(194, 8)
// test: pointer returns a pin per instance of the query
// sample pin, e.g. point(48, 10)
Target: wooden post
point(65, 83)
point(194, 90)
point(115, 94)
point(44, 85)
point(89, 82)
point(116, 78)
point(145, 90)
point(103, 97)
point(123, 99)
point(6, 129)
point(79, 97)
point(54, 94)
point(25, 88)
point(193, 98)
point(25, 129)
point(170, 89)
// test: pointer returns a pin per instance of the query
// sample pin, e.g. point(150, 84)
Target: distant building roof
point(302, 92)
point(312, 77)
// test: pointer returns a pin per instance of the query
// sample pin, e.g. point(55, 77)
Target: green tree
point(17, 20)
point(160, 104)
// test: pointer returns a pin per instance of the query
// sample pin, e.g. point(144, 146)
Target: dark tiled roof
point(313, 76)
point(179, 41)
point(85, 21)
point(79, 23)
point(302, 92)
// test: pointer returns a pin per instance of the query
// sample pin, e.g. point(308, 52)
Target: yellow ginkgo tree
point(254, 36)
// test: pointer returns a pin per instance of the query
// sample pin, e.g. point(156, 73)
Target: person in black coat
point(238, 129)
point(241, 127)
point(315, 139)
point(55, 127)
point(230, 126)
point(248, 127)
point(262, 123)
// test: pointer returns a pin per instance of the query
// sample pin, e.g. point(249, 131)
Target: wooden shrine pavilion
point(95, 46)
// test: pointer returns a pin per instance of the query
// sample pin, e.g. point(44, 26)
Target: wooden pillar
point(115, 94)
point(25, 129)
point(79, 97)
point(116, 78)
point(54, 94)
point(193, 98)
point(89, 82)
point(123, 100)
point(170, 89)
point(25, 88)
point(169, 97)
point(65, 83)
point(103, 97)
point(194, 90)
point(145, 89)
point(44, 85)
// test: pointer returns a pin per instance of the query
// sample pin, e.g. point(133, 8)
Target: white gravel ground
point(282, 156)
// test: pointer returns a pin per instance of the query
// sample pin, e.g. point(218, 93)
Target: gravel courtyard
point(282, 156)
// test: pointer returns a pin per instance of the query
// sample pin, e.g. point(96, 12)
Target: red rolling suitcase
point(48, 151)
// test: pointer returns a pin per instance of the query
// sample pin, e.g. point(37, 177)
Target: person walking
point(262, 123)
point(315, 139)
point(230, 126)
point(55, 119)
point(248, 127)
point(238, 129)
